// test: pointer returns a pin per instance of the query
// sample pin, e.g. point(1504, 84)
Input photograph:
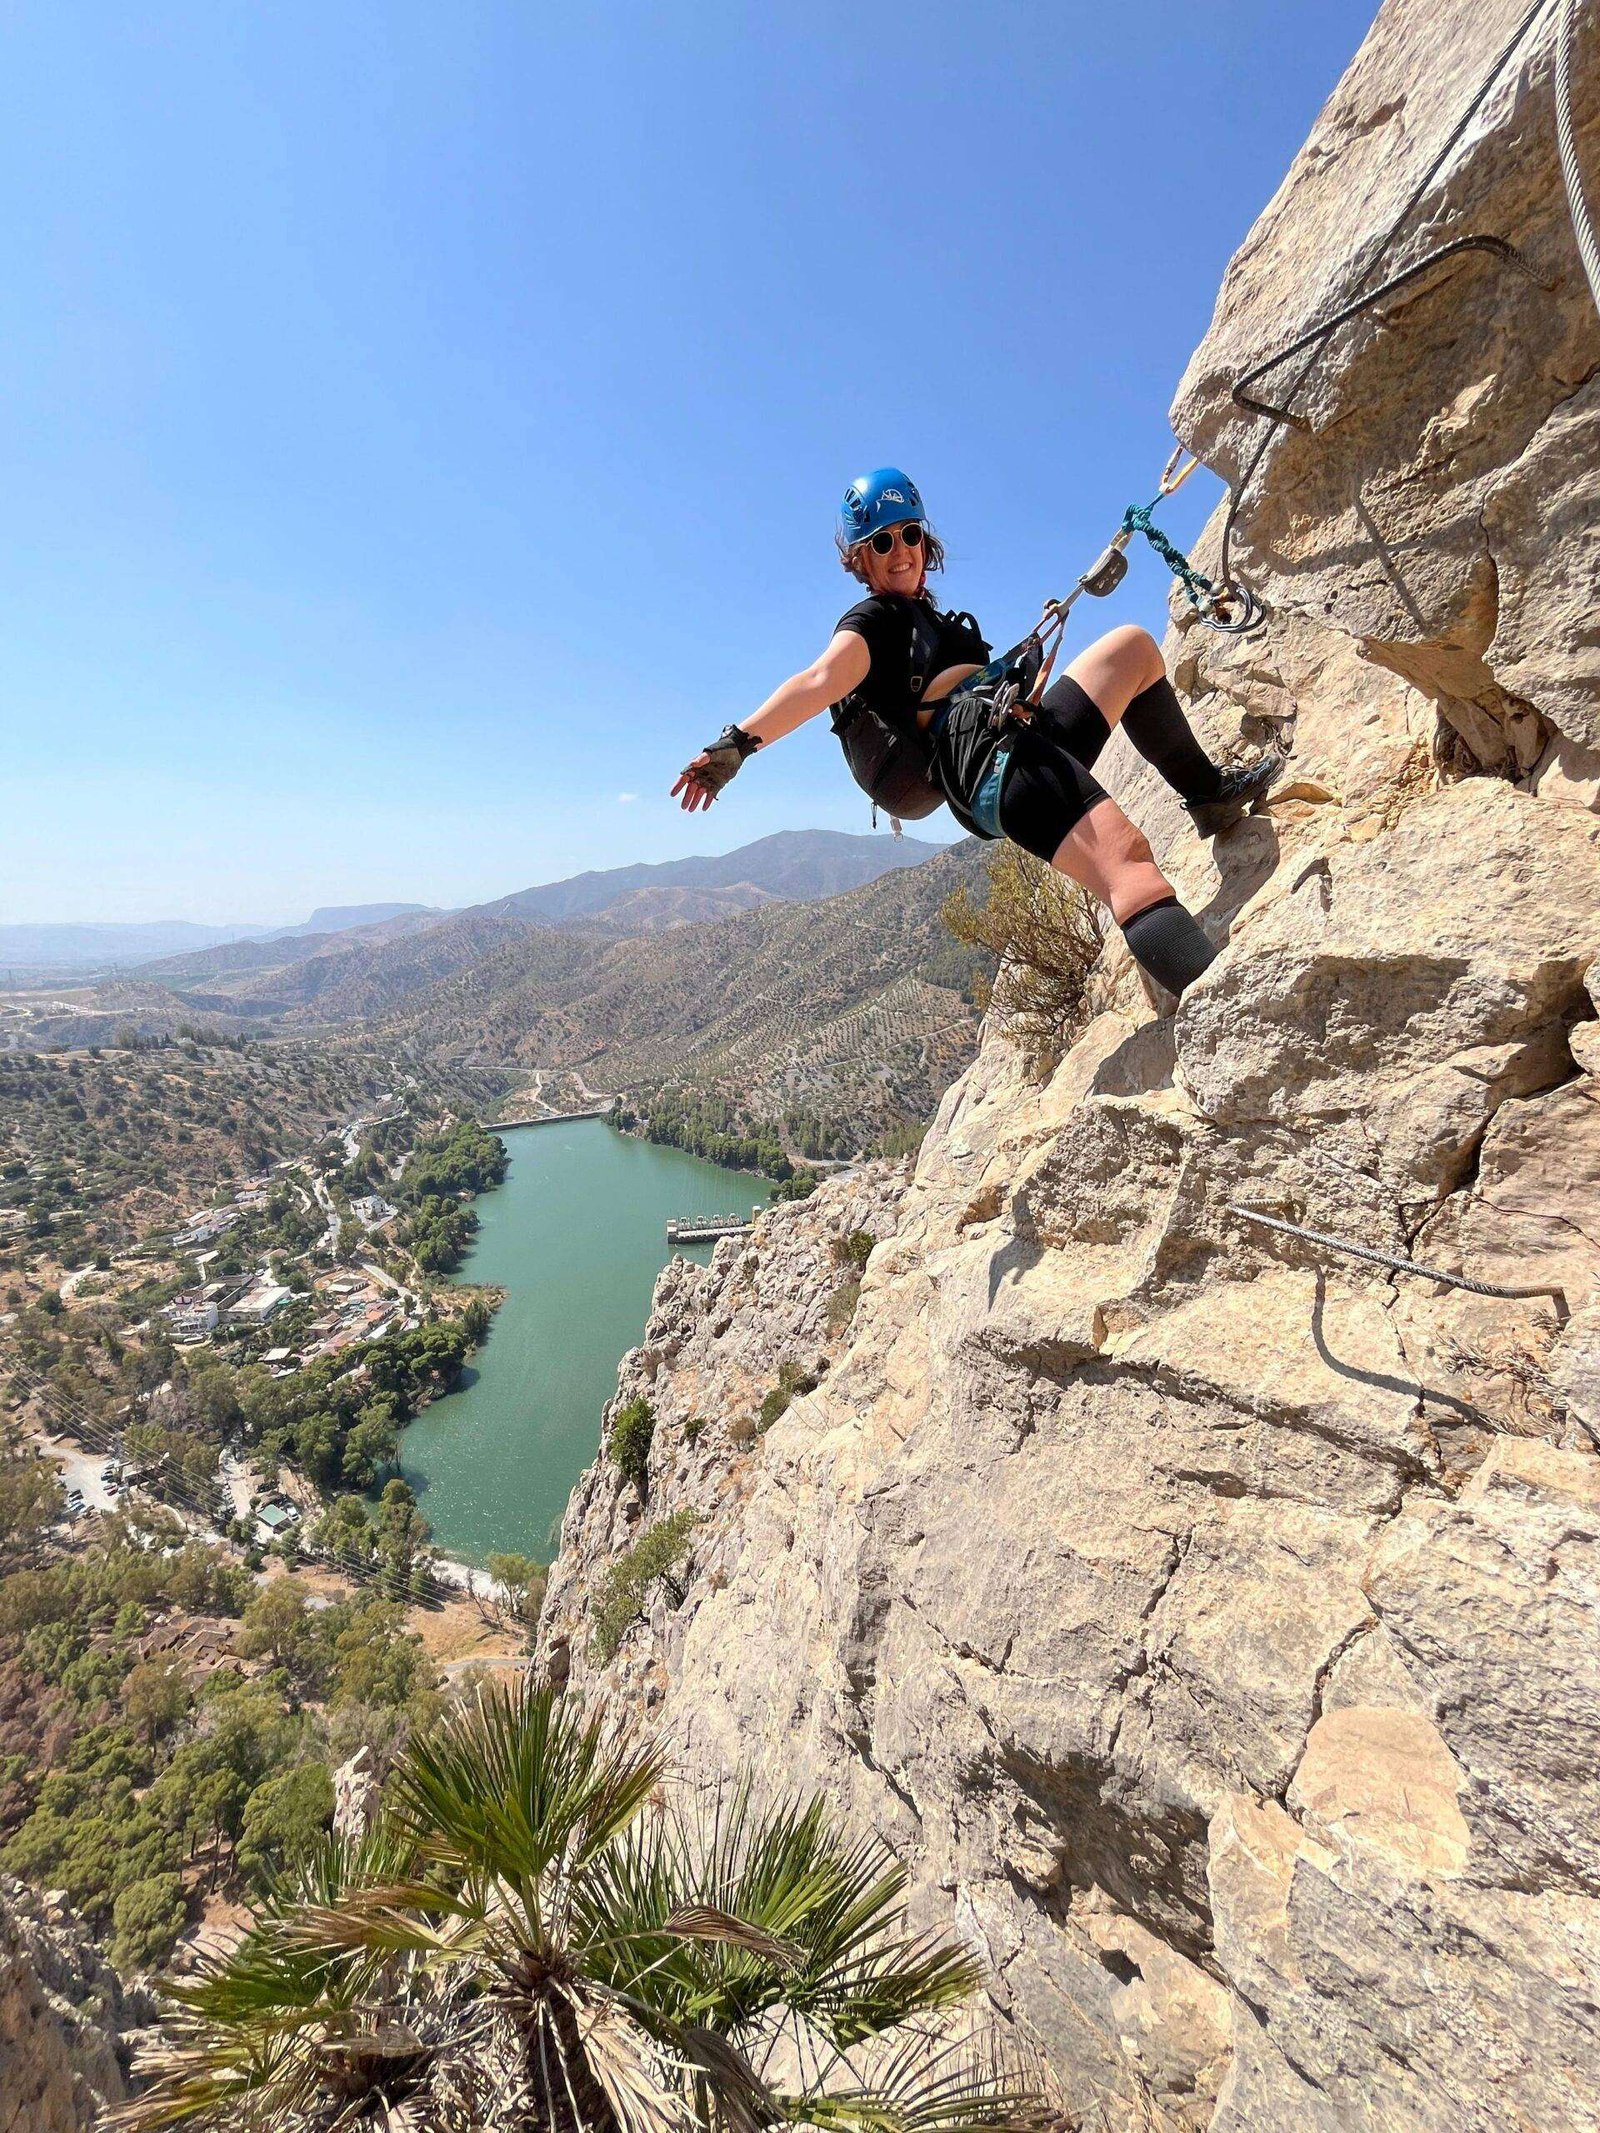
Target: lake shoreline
point(574, 1237)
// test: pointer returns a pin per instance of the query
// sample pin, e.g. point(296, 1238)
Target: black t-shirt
point(905, 658)
point(901, 666)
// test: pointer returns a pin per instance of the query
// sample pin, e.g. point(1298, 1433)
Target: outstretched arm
point(842, 667)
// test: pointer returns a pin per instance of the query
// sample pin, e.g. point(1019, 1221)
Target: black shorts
point(1048, 788)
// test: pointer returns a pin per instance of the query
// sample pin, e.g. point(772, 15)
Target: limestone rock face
point(1209, 1618)
point(66, 2019)
point(1435, 499)
point(356, 1793)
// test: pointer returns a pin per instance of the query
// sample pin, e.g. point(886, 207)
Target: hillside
point(1206, 1615)
point(855, 1010)
point(844, 1014)
point(98, 1148)
point(798, 864)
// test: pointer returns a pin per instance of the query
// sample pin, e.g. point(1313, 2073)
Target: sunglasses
point(910, 533)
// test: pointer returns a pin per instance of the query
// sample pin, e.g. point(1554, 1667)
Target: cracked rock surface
point(68, 2024)
point(1210, 1620)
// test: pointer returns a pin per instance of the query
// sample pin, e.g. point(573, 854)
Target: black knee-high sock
point(1156, 725)
point(1167, 942)
point(1079, 722)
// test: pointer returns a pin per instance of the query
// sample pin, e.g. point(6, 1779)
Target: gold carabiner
point(1171, 482)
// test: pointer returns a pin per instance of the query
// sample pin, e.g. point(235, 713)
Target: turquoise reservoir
point(576, 1235)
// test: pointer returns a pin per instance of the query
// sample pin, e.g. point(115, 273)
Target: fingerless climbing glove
point(723, 757)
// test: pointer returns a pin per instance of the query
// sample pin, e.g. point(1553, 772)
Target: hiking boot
point(1238, 791)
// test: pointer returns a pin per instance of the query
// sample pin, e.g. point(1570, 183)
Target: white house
point(192, 1317)
point(200, 1229)
point(373, 1209)
point(259, 1304)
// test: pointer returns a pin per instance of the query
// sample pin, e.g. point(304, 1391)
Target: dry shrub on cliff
point(1046, 933)
point(619, 1602)
point(632, 1434)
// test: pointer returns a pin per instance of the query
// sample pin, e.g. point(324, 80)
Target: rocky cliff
point(1209, 1617)
point(67, 2022)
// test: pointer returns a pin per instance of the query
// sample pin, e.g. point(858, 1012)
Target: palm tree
point(542, 1933)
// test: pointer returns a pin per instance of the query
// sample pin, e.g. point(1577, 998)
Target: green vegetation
point(633, 1430)
point(1045, 933)
point(792, 1383)
point(442, 1168)
point(799, 1187)
point(520, 1946)
point(283, 1822)
point(138, 1776)
point(657, 1553)
point(97, 1148)
point(707, 1124)
point(391, 1540)
point(519, 1584)
point(339, 1419)
point(147, 1918)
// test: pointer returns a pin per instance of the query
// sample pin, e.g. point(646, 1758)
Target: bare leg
point(1106, 855)
point(1118, 667)
point(1110, 858)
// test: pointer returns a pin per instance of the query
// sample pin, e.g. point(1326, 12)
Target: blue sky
point(425, 422)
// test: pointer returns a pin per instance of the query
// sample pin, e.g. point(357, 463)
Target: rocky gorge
point(1206, 1616)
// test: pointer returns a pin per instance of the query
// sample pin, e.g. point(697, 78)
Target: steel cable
point(1370, 265)
point(1566, 143)
point(1394, 1262)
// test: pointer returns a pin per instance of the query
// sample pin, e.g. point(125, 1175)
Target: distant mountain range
point(853, 1011)
point(122, 947)
point(635, 899)
point(807, 973)
point(796, 864)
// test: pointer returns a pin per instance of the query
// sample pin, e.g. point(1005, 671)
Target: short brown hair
point(850, 553)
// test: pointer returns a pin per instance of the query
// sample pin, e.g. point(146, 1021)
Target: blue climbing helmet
point(885, 497)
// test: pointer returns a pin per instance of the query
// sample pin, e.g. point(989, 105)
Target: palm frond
point(238, 2078)
point(743, 2099)
point(705, 1921)
point(973, 2085)
point(626, 2063)
point(391, 1918)
point(515, 1785)
point(886, 1984)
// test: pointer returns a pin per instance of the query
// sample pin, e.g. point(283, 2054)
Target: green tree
point(580, 1964)
point(373, 1443)
point(280, 1623)
point(401, 1533)
point(147, 1918)
point(283, 1820)
point(31, 1498)
point(619, 1601)
point(154, 1698)
point(519, 1584)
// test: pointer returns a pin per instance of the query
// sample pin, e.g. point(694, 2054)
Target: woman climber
point(892, 676)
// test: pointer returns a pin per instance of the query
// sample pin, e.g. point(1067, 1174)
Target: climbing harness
point(1396, 1264)
point(1316, 338)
